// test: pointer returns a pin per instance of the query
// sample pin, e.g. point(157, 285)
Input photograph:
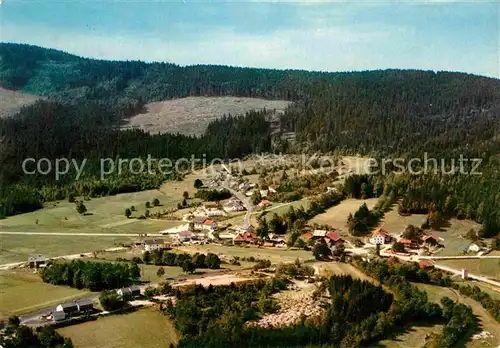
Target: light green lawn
point(17, 248)
point(145, 328)
point(22, 292)
point(276, 255)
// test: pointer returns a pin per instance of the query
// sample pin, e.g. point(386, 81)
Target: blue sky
point(328, 36)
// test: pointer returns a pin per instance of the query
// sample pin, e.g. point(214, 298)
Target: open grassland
point(275, 255)
point(485, 267)
point(17, 248)
point(336, 216)
point(192, 115)
point(486, 321)
point(395, 224)
point(105, 215)
point(22, 292)
point(145, 328)
point(414, 337)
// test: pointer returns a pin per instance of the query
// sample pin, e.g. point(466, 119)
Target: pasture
point(486, 267)
point(23, 292)
point(17, 248)
point(336, 216)
point(395, 224)
point(275, 255)
point(486, 321)
point(145, 328)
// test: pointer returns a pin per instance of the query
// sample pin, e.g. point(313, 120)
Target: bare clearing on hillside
point(192, 115)
point(12, 101)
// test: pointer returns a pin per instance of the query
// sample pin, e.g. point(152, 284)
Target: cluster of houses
point(332, 238)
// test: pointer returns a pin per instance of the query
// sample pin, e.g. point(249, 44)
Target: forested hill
point(388, 111)
point(391, 112)
point(67, 77)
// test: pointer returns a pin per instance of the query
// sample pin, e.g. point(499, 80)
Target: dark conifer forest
point(379, 113)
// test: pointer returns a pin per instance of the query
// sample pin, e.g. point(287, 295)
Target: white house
point(380, 237)
point(36, 261)
point(154, 244)
point(216, 212)
point(319, 233)
point(198, 222)
point(473, 247)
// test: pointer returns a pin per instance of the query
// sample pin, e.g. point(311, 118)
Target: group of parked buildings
point(77, 308)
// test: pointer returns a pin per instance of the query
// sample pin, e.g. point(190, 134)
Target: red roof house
point(425, 264)
point(334, 237)
point(239, 239)
point(306, 236)
point(432, 239)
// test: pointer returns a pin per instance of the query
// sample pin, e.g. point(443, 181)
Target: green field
point(485, 267)
point(276, 255)
point(23, 292)
point(336, 217)
point(145, 328)
point(17, 248)
point(486, 321)
point(105, 215)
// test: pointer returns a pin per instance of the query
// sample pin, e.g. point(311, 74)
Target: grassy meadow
point(145, 328)
point(23, 292)
point(336, 216)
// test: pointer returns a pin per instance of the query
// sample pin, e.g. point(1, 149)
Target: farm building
point(185, 236)
point(425, 264)
point(264, 203)
point(380, 236)
point(129, 292)
point(246, 237)
point(69, 309)
point(154, 244)
point(431, 240)
point(333, 238)
point(410, 244)
point(319, 234)
point(198, 222)
point(306, 237)
point(36, 261)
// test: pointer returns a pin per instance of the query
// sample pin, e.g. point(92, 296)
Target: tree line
point(16, 335)
point(94, 276)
